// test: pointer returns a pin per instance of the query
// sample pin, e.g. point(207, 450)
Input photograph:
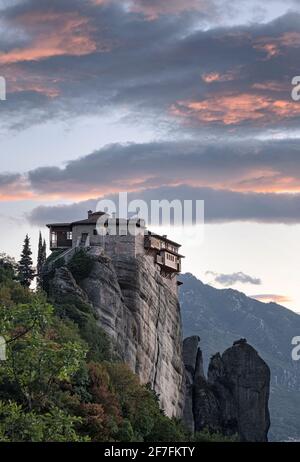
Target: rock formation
point(140, 313)
point(234, 398)
point(221, 316)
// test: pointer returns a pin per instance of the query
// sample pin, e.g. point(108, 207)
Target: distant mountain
point(220, 317)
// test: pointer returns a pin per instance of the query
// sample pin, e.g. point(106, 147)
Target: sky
point(187, 100)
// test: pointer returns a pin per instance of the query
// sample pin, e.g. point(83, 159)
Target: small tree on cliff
point(41, 261)
point(25, 268)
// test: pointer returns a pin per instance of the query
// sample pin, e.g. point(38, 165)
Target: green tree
point(25, 268)
point(139, 404)
point(37, 359)
point(41, 260)
point(8, 268)
point(16, 425)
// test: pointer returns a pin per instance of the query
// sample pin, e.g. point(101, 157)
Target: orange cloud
point(233, 109)
point(272, 298)
point(54, 35)
point(266, 181)
point(17, 189)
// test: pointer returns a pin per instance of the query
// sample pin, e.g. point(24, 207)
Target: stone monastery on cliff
point(118, 237)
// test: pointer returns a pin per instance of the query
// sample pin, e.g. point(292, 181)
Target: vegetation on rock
point(60, 381)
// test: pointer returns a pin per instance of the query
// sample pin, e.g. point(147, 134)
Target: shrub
point(16, 425)
point(80, 265)
point(207, 436)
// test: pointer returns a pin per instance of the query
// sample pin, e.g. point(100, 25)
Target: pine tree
point(25, 268)
point(41, 261)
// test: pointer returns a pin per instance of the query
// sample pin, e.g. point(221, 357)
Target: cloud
point(53, 35)
point(173, 70)
point(42, 214)
point(258, 182)
point(228, 280)
point(13, 187)
point(154, 8)
point(234, 109)
point(269, 166)
point(272, 298)
point(221, 206)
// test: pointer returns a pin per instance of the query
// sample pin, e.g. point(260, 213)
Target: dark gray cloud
point(13, 186)
point(221, 206)
point(43, 215)
point(228, 280)
point(261, 166)
point(8, 179)
point(155, 68)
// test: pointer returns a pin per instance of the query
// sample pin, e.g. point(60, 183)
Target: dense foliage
point(80, 265)
point(61, 381)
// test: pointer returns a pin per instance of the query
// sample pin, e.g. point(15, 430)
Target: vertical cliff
point(140, 313)
point(234, 397)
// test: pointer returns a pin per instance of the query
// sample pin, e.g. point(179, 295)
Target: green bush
point(8, 268)
point(17, 425)
point(206, 436)
point(80, 265)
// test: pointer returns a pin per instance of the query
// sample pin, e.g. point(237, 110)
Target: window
point(69, 235)
point(53, 239)
point(95, 232)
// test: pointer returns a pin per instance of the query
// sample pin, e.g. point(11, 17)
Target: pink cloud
point(232, 109)
point(54, 34)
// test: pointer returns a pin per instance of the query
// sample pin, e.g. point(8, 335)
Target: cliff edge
point(140, 313)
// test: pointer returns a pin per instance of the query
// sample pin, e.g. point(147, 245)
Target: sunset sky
point(174, 99)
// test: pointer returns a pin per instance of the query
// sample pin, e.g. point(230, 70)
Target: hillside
point(223, 316)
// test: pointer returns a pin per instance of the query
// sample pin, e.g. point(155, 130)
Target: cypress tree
point(44, 252)
point(25, 268)
point(41, 260)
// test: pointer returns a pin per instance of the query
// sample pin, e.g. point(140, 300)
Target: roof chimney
point(90, 212)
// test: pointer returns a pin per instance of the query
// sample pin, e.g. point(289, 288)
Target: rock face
point(221, 316)
point(234, 397)
point(141, 315)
